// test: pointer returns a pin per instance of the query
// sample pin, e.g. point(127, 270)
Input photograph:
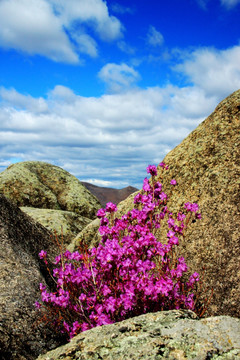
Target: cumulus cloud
point(21, 101)
point(154, 37)
point(118, 77)
point(114, 137)
point(217, 72)
point(109, 140)
point(39, 27)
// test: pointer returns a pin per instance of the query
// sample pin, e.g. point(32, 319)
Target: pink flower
point(152, 169)
point(130, 272)
point(101, 213)
point(110, 207)
point(37, 305)
point(173, 182)
point(42, 254)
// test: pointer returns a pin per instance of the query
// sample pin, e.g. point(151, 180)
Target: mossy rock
point(41, 185)
point(63, 225)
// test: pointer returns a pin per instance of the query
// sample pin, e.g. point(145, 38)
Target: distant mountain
point(104, 194)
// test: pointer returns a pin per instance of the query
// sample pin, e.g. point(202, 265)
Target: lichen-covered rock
point(22, 336)
point(173, 335)
point(89, 236)
point(64, 224)
point(206, 166)
point(41, 185)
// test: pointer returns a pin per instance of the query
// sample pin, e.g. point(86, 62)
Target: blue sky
point(104, 88)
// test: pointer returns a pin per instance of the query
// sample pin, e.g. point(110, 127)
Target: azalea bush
point(131, 272)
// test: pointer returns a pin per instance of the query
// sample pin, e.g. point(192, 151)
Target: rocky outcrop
point(206, 166)
point(65, 224)
point(41, 185)
point(22, 336)
point(105, 195)
point(90, 236)
point(162, 335)
point(51, 196)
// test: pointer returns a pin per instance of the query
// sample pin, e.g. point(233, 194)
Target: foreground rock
point(41, 185)
point(21, 239)
point(206, 166)
point(163, 335)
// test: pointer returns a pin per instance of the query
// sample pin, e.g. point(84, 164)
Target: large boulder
point(90, 236)
point(51, 196)
point(163, 335)
point(206, 166)
point(64, 224)
point(22, 335)
point(41, 185)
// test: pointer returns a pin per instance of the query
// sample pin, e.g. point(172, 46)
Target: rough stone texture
point(21, 271)
point(206, 166)
point(173, 335)
point(41, 185)
point(89, 235)
point(65, 224)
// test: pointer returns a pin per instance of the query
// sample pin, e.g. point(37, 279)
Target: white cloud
point(118, 77)
point(93, 12)
point(21, 101)
point(86, 44)
point(39, 27)
point(114, 137)
point(154, 37)
point(31, 26)
point(108, 139)
point(216, 72)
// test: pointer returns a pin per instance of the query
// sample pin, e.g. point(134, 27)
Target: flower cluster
point(130, 272)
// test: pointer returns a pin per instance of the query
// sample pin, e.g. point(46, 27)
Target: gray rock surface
point(64, 224)
point(206, 166)
point(21, 239)
point(173, 335)
point(41, 185)
point(89, 236)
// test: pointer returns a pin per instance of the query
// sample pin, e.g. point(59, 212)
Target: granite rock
point(206, 166)
point(22, 336)
point(173, 335)
point(41, 185)
point(63, 224)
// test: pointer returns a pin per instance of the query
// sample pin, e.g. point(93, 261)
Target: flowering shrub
point(130, 272)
